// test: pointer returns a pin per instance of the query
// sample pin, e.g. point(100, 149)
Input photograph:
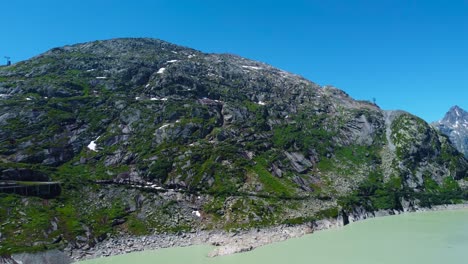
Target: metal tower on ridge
point(8, 60)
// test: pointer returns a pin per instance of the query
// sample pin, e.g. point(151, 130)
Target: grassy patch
point(272, 184)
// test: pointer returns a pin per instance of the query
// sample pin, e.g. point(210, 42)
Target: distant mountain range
point(455, 126)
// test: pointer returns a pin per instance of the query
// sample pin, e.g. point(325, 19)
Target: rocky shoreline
point(226, 242)
point(234, 242)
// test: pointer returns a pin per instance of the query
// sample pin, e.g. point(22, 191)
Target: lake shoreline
point(225, 243)
point(234, 242)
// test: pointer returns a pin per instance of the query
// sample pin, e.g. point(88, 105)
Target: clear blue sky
point(410, 55)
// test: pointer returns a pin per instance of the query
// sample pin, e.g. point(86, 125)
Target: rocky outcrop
point(298, 161)
point(46, 257)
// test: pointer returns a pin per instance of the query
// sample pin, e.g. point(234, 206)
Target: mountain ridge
point(150, 137)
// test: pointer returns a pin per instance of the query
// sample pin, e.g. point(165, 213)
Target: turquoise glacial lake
point(427, 237)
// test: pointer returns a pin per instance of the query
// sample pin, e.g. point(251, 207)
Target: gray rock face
point(47, 257)
point(298, 161)
point(455, 126)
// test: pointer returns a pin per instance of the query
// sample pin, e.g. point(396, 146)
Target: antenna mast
point(8, 60)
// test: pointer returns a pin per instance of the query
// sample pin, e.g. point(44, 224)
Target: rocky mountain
point(455, 126)
point(144, 136)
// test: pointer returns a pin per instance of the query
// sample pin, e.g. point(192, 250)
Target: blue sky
point(410, 55)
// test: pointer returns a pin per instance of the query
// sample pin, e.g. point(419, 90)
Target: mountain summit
point(455, 126)
point(144, 136)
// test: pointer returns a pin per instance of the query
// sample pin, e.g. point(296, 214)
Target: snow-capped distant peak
point(455, 126)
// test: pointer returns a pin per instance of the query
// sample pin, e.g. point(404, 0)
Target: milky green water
point(426, 238)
